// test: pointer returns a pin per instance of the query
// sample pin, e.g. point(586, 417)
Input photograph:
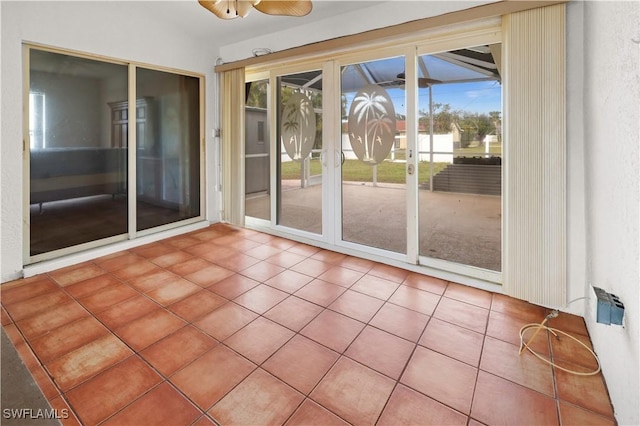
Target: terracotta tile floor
point(231, 326)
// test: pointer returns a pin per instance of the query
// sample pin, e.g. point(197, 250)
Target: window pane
point(168, 148)
point(257, 158)
point(78, 178)
point(374, 204)
point(300, 145)
point(460, 156)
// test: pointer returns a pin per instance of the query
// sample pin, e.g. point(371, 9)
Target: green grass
point(357, 171)
point(388, 172)
point(474, 150)
point(292, 170)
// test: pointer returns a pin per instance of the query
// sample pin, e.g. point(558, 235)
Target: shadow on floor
point(22, 400)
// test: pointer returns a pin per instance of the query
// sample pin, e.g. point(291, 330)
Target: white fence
point(442, 148)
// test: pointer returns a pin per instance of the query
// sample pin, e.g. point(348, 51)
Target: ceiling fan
point(422, 81)
point(230, 9)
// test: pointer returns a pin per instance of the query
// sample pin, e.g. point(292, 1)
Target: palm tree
point(297, 112)
point(381, 123)
point(371, 107)
point(291, 124)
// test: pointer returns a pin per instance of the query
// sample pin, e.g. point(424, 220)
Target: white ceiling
point(190, 17)
point(196, 20)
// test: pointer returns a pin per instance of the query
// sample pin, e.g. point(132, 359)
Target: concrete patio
point(462, 228)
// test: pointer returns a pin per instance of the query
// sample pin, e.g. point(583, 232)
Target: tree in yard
point(494, 116)
point(475, 125)
point(478, 125)
point(257, 94)
point(443, 117)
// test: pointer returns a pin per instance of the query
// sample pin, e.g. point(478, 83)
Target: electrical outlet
point(610, 309)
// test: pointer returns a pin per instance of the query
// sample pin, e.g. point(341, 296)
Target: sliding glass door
point(299, 166)
point(460, 156)
point(373, 178)
point(81, 164)
point(409, 166)
point(77, 154)
point(167, 148)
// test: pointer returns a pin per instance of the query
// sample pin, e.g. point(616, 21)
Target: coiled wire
point(555, 332)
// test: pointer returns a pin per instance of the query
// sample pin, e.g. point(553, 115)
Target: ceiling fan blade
point(426, 82)
point(228, 9)
point(285, 7)
point(422, 81)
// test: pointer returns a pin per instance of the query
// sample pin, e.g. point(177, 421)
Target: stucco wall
point(612, 153)
point(103, 28)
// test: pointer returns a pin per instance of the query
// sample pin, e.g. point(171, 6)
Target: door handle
point(342, 154)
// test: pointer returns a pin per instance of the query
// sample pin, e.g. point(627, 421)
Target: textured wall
point(612, 148)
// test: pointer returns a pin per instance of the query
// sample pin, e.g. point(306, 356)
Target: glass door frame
point(411, 182)
point(480, 37)
point(327, 160)
point(132, 233)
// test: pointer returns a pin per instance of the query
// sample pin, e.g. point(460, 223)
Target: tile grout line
point(134, 352)
point(416, 344)
point(478, 369)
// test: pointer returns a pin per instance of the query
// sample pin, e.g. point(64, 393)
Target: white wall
point(368, 18)
point(612, 153)
point(110, 29)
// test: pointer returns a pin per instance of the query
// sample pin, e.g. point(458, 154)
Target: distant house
point(401, 133)
point(490, 139)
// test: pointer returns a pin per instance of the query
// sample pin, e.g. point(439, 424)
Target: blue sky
point(480, 97)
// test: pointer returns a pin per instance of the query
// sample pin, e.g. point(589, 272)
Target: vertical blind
point(232, 135)
point(534, 254)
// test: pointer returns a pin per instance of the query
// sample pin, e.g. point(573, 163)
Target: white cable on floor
point(555, 332)
point(538, 327)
